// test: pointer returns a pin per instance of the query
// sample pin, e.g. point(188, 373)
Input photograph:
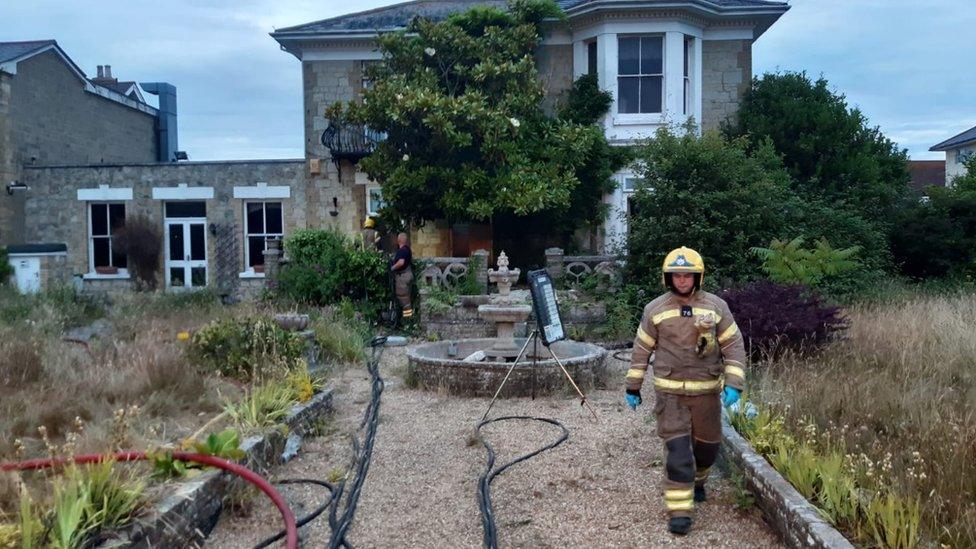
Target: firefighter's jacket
point(668, 331)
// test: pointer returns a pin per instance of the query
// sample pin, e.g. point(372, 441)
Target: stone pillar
point(272, 261)
point(480, 274)
point(554, 263)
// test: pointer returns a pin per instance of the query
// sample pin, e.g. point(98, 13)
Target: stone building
point(663, 62)
point(78, 156)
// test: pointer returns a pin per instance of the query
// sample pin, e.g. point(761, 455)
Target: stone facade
point(11, 206)
point(726, 76)
point(54, 212)
point(54, 121)
point(555, 66)
point(48, 118)
point(326, 82)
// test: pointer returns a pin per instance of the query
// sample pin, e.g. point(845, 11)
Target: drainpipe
point(166, 122)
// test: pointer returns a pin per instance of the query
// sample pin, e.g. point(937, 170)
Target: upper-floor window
point(687, 73)
point(640, 74)
point(591, 66)
point(104, 220)
point(962, 155)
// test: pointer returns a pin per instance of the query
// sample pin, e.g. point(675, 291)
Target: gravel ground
point(599, 488)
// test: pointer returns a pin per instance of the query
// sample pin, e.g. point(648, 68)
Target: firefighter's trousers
point(403, 282)
point(690, 426)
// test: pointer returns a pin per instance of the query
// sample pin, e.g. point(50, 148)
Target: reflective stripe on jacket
point(667, 330)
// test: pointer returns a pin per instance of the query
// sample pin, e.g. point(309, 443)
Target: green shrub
point(326, 267)
point(263, 406)
point(790, 263)
point(709, 194)
point(828, 147)
point(937, 239)
point(245, 349)
point(49, 311)
point(6, 269)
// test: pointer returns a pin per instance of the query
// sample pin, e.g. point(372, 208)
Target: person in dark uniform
point(403, 274)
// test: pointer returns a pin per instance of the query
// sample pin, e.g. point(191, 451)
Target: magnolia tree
point(460, 103)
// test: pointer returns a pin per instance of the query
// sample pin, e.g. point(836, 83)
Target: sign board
point(545, 306)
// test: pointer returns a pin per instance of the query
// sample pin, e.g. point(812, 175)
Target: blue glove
point(730, 396)
point(633, 399)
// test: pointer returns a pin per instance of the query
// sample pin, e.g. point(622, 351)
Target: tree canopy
point(827, 146)
point(467, 138)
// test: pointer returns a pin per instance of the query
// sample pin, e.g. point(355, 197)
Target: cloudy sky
point(907, 64)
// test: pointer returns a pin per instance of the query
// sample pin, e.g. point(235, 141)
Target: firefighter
point(402, 267)
point(698, 366)
point(371, 238)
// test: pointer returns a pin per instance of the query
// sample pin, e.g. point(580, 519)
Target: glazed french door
point(186, 253)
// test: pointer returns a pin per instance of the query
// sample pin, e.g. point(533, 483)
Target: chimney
point(104, 75)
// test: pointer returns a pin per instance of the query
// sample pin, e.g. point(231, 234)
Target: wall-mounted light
point(15, 186)
point(180, 155)
point(335, 207)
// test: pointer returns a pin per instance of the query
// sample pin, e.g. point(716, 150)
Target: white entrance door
point(186, 253)
point(27, 272)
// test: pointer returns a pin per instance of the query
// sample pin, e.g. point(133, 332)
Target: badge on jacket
point(686, 310)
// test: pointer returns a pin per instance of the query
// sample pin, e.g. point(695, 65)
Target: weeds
point(261, 407)
point(339, 340)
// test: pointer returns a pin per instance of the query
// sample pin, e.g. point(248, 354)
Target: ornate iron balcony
point(351, 142)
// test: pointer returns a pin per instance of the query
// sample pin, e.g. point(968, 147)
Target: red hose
point(291, 532)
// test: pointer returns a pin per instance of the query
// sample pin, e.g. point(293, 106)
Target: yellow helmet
point(369, 223)
point(683, 260)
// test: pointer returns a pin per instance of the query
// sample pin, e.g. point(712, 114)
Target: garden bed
point(82, 375)
point(879, 430)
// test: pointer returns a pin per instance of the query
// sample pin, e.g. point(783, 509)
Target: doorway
point(186, 245)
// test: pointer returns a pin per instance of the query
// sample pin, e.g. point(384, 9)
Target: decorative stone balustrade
point(448, 271)
point(574, 269)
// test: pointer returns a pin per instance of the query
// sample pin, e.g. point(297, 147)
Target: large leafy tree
point(828, 147)
point(466, 135)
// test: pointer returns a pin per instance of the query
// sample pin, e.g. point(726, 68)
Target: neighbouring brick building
point(78, 155)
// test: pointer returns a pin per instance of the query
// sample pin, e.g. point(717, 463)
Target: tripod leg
point(510, 369)
point(570, 378)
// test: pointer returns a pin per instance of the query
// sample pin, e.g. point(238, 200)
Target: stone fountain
point(476, 367)
point(505, 310)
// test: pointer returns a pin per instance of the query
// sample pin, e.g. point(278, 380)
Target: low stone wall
point(796, 521)
point(186, 517)
point(429, 368)
point(459, 322)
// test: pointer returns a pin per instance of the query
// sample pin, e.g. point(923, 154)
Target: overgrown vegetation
point(140, 239)
point(327, 267)
point(888, 410)
point(6, 269)
point(246, 349)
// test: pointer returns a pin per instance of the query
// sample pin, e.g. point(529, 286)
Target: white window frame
point(688, 55)
point(123, 273)
point(638, 75)
point(370, 211)
point(249, 271)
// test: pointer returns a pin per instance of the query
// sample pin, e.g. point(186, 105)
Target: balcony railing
point(351, 142)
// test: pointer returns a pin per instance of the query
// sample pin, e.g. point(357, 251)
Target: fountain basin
point(429, 367)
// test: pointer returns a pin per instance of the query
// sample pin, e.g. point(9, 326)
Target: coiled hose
point(490, 539)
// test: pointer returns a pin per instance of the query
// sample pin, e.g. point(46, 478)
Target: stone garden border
point(795, 519)
point(186, 516)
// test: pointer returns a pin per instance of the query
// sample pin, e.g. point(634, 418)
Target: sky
point(907, 64)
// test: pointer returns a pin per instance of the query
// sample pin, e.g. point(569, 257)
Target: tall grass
point(898, 395)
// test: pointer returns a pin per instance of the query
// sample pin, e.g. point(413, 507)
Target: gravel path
point(420, 491)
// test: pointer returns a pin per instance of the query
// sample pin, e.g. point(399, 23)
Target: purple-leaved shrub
point(775, 318)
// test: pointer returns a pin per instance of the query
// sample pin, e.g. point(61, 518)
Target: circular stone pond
point(429, 367)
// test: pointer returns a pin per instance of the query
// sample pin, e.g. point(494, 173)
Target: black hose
point(307, 518)
point(484, 482)
point(362, 456)
point(361, 460)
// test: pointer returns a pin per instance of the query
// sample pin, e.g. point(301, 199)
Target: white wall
point(954, 168)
